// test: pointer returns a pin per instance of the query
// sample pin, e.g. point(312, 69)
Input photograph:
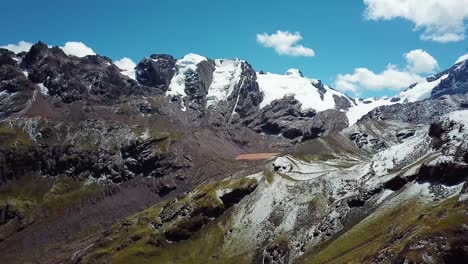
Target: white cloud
point(462, 58)
point(440, 20)
point(420, 61)
point(390, 78)
point(127, 65)
point(285, 43)
point(78, 49)
point(20, 47)
point(394, 78)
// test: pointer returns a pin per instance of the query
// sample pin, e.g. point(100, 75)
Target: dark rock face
point(342, 102)
point(241, 106)
point(285, 117)
point(369, 143)
point(325, 123)
point(197, 85)
point(282, 116)
point(15, 88)
point(6, 57)
point(321, 89)
point(72, 79)
point(13, 218)
point(449, 137)
point(156, 71)
point(449, 174)
point(276, 253)
point(82, 160)
point(405, 134)
point(455, 83)
point(423, 112)
point(246, 98)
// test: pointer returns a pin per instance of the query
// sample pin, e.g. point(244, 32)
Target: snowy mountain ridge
point(308, 91)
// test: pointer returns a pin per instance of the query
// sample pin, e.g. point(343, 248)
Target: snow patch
point(128, 67)
point(226, 76)
point(188, 63)
point(363, 107)
point(459, 117)
point(276, 86)
point(43, 89)
point(294, 72)
point(421, 91)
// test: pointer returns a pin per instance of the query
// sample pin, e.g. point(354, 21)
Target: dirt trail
point(256, 156)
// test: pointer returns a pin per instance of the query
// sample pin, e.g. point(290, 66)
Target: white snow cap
point(421, 91)
point(226, 76)
point(78, 49)
point(276, 86)
point(364, 106)
point(462, 58)
point(128, 67)
point(294, 72)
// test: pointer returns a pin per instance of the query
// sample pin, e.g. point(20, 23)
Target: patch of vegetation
point(26, 188)
point(67, 191)
point(146, 238)
point(52, 194)
point(269, 175)
point(318, 203)
point(390, 231)
point(286, 177)
point(13, 137)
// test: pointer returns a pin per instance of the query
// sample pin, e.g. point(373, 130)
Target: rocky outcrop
point(284, 117)
point(119, 157)
point(93, 78)
point(423, 112)
point(15, 89)
point(246, 98)
point(156, 71)
point(449, 136)
point(197, 84)
point(369, 143)
point(455, 83)
point(14, 217)
point(326, 123)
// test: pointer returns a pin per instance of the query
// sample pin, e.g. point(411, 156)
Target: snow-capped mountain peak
point(294, 72)
point(184, 65)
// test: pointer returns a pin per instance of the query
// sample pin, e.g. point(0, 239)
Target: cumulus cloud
point(439, 20)
point(420, 61)
point(17, 48)
point(394, 78)
point(462, 58)
point(127, 65)
point(285, 43)
point(78, 49)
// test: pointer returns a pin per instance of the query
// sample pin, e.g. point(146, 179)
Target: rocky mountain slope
point(101, 165)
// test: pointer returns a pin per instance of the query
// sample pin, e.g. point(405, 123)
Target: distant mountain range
point(106, 165)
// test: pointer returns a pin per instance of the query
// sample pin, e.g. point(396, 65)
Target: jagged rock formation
point(455, 83)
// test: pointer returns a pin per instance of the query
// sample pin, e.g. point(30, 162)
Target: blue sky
point(339, 32)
